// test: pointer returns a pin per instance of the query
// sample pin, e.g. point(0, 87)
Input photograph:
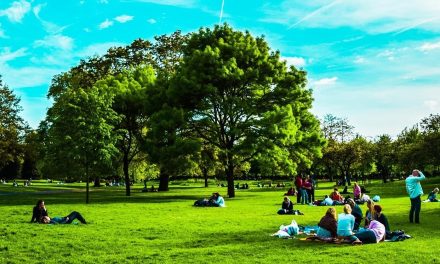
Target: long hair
point(371, 206)
point(39, 202)
point(332, 212)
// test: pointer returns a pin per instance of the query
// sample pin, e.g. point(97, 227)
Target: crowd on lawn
point(347, 226)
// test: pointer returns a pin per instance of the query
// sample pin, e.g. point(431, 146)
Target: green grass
point(166, 228)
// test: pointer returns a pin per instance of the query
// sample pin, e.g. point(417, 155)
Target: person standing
point(415, 191)
point(298, 185)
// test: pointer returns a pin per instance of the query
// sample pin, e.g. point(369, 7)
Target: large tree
point(12, 127)
point(242, 99)
point(163, 55)
point(81, 136)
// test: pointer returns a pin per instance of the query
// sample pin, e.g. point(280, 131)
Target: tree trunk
point(163, 181)
point(87, 184)
point(126, 175)
point(97, 182)
point(230, 177)
point(205, 175)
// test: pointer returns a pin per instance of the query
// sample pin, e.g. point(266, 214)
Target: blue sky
point(375, 62)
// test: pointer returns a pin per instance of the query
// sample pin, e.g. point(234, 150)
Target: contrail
point(415, 25)
point(221, 12)
point(314, 13)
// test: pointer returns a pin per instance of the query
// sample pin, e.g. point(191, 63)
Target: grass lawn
point(166, 228)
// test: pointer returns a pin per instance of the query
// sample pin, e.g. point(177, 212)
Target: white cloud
point(324, 82)
point(295, 61)
point(16, 12)
point(359, 60)
point(49, 27)
point(431, 104)
point(55, 41)
point(123, 18)
point(27, 76)
point(374, 16)
point(107, 23)
point(184, 3)
point(429, 46)
point(98, 49)
point(7, 55)
point(103, 1)
point(152, 21)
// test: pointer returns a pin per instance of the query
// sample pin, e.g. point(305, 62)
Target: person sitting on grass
point(356, 211)
point(432, 196)
point(38, 212)
point(336, 197)
point(370, 214)
point(328, 225)
point(290, 192)
point(286, 206)
point(357, 191)
point(64, 220)
point(217, 200)
point(346, 224)
point(373, 234)
point(379, 216)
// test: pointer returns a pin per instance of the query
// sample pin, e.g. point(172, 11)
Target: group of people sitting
point(335, 198)
point(216, 200)
point(347, 224)
point(40, 215)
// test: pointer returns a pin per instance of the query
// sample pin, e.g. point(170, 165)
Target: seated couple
point(216, 200)
point(287, 207)
point(432, 196)
point(39, 215)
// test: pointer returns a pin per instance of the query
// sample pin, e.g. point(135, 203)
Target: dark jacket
point(37, 214)
point(384, 220)
point(329, 223)
point(287, 206)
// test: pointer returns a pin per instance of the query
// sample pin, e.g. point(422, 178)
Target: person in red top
point(298, 185)
point(336, 197)
point(307, 185)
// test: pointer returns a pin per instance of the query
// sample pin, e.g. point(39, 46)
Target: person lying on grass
point(38, 212)
point(64, 220)
point(328, 225)
point(216, 200)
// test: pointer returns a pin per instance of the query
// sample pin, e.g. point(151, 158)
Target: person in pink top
point(357, 191)
point(373, 234)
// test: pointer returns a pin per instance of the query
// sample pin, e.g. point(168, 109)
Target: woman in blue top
point(346, 223)
point(217, 200)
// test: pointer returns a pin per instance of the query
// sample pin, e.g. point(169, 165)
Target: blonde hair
point(370, 206)
point(347, 209)
point(331, 211)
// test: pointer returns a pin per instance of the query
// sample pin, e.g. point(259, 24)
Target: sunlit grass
point(166, 228)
